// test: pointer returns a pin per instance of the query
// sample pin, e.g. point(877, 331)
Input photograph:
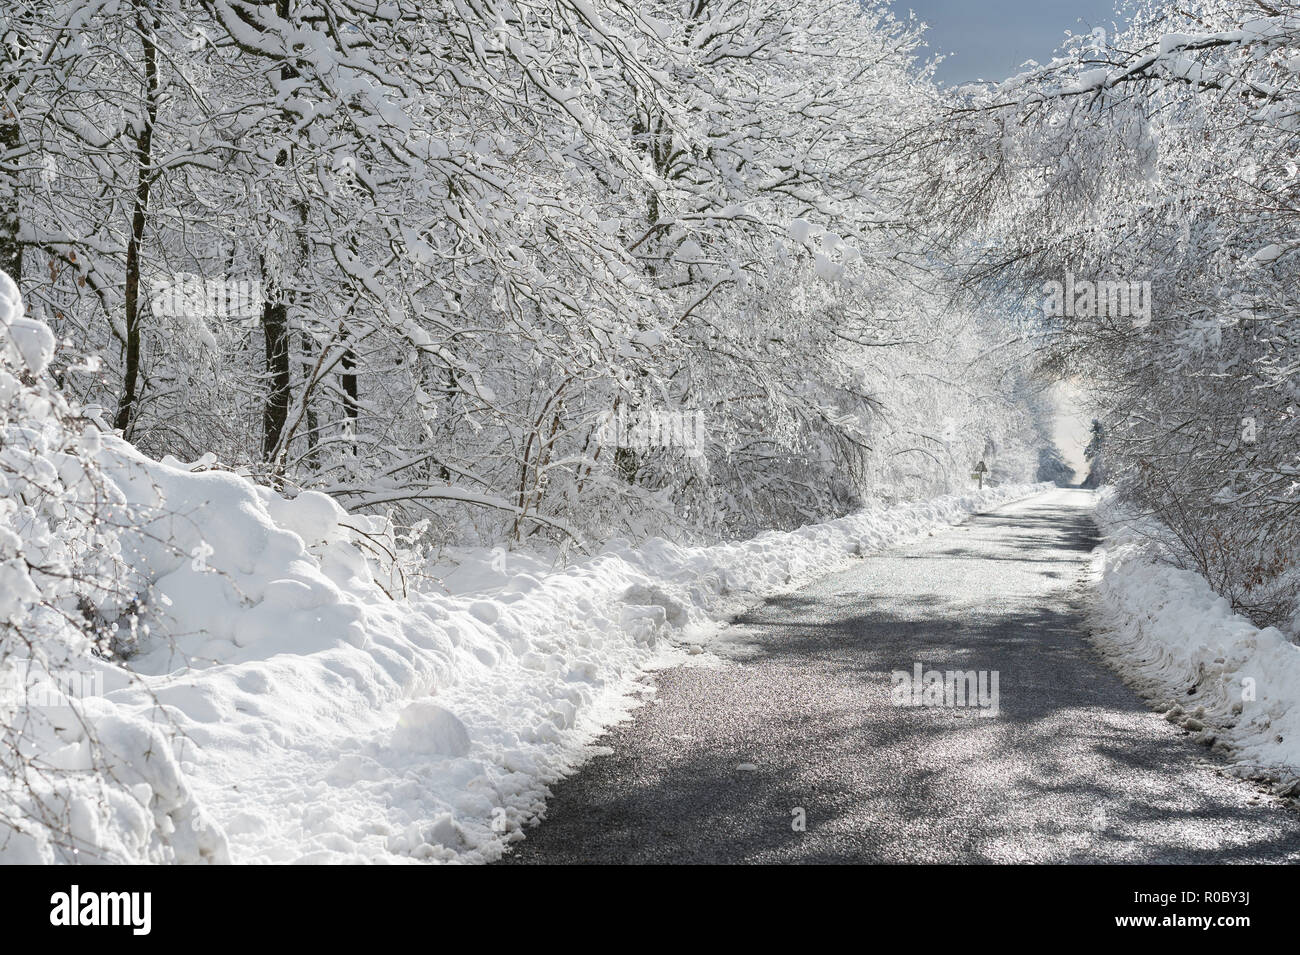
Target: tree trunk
point(126, 406)
point(275, 331)
point(351, 396)
point(275, 328)
point(11, 253)
point(12, 46)
point(308, 364)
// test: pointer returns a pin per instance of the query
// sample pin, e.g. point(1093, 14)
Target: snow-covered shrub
point(75, 781)
point(1181, 644)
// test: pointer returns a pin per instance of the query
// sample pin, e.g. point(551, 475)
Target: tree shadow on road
point(1073, 768)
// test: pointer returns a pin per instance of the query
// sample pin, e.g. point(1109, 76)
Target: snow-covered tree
point(1159, 172)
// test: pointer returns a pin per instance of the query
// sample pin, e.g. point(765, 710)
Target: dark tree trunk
point(126, 406)
point(11, 252)
point(275, 331)
point(308, 364)
point(351, 395)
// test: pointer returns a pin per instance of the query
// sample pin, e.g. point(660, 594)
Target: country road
point(796, 722)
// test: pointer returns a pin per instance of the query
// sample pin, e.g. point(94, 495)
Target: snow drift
point(1181, 645)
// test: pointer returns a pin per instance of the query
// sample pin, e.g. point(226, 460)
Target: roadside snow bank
point(311, 717)
point(1182, 646)
point(321, 721)
point(81, 779)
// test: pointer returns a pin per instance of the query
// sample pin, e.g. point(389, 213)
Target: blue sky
point(989, 39)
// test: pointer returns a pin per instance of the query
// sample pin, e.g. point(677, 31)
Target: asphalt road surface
point(798, 723)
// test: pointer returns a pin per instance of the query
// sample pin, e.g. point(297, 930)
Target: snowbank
point(312, 717)
point(81, 778)
point(1180, 644)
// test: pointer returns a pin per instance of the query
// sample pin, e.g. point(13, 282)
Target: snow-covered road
point(793, 748)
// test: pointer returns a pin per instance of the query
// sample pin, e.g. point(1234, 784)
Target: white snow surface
point(1182, 646)
point(310, 717)
point(26, 342)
